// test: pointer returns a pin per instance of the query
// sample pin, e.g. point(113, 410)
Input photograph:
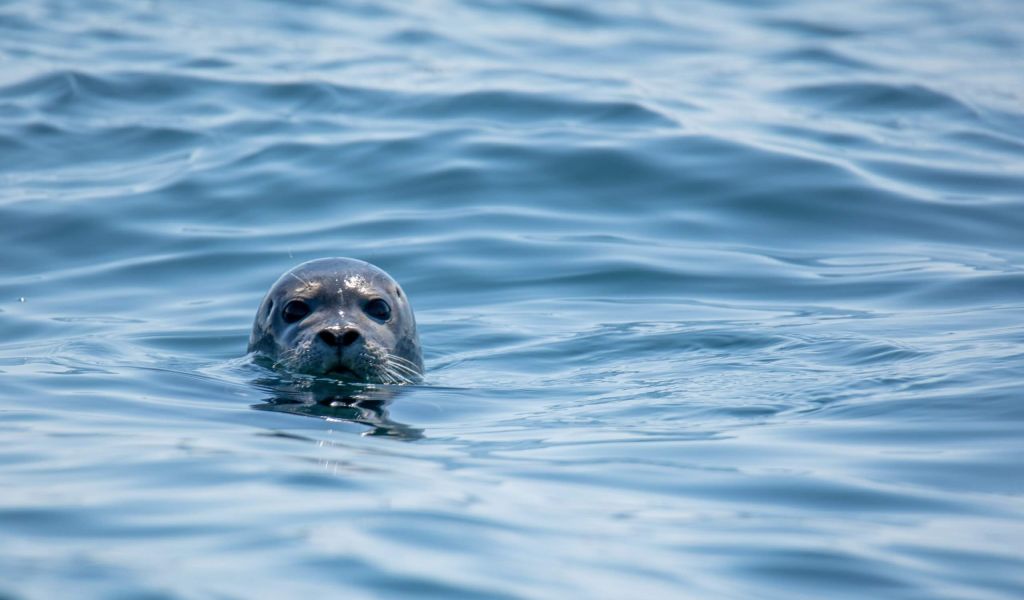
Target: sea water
point(717, 299)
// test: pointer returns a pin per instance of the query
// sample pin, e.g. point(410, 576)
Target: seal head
point(342, 317)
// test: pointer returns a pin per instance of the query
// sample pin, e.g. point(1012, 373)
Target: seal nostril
point(349, 337)
point(329, 337)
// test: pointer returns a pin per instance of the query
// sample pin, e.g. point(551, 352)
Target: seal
point(342, 317)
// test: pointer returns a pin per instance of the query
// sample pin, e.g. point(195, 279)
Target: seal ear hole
point(270, 308)
point(398, 292)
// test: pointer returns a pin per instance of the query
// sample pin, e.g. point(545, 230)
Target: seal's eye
point(296, 310)
point(378, 309)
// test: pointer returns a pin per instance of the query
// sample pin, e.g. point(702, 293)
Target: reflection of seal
point(339, 316)
point(339, 402)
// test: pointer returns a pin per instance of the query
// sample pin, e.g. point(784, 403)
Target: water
point(718, 299)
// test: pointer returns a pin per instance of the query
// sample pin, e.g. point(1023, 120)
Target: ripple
point(717, 299)
point(532, 107)
point(878, 98)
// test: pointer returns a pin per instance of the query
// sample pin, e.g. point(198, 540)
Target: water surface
point(718, 299)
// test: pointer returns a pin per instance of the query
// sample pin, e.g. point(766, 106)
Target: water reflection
point(336, 401)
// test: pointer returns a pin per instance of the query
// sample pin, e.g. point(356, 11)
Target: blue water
point(717, 299)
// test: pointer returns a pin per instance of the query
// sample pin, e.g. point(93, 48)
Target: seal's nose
point(336, 339)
